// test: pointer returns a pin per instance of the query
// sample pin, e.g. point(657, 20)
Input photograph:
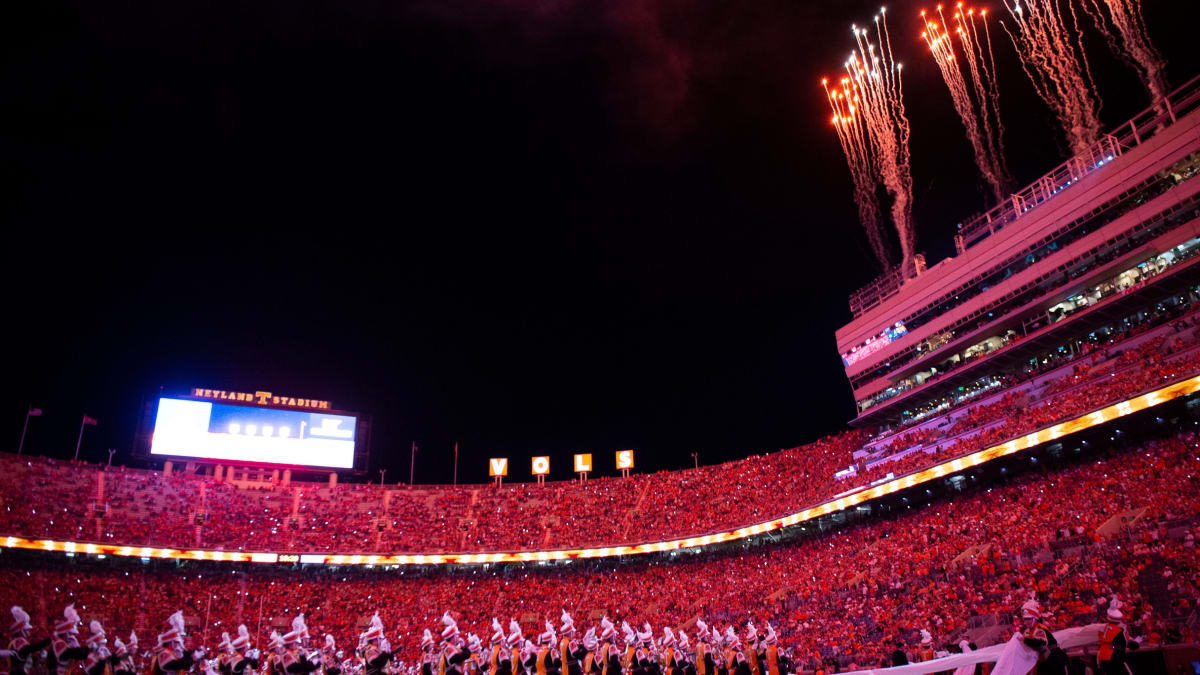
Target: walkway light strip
point(1112, 412)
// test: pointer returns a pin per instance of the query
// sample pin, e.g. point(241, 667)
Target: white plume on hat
point(451, 626)
point(627, 632)
point(1031, 609)
point(751, 632)
point(589, 638)
point(548, 635)
point(771, 637)
point(514, 633)
point(607, 629)
point(683, 640)
point(497, 632)
point(299, 629)
point(70, 622)
point(716, 635)
point(427, 638)
point(119, 648)
point(701, 627)
point(473, 642)
point(20, 619)
point(668, 636)
point(329, 643)
point(374, 631)
point(97, 636)
point(1115, 614)
point(926, 638)
point(647, 634)
point(133, 640)
point(243, 638)
point(568, 624)
point(224, 641)
point(731, 637)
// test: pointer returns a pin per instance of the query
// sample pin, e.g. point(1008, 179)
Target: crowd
point(42, 498)
point(845, 598)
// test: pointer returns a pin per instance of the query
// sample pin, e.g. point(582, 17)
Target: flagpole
point(79, 440)
point(21, 446)
point(412, 463)
point(456, 463)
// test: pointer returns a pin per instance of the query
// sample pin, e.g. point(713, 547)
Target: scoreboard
point(258, 428)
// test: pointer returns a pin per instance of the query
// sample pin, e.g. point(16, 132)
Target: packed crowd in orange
point(137, 507)
point(947, 567)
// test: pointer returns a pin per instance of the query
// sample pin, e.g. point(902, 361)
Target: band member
point(21, 660)
point(629, 663)
point(773, 662)
point(499, 658)
point(429, 655)
point(473, 664)
point(751, 649)
point(293, 658)
point(590, 663)
point(645, 663)
point(125, 655)
point(669, 665)
point(330, 656)
point(569, 649)
point(735, 659)
point(245, 661)
point(225, 655)
point(98, 661)
point(1113, 644)
point(683, 655)
point(547, 661)
point(170, 656)
point(704, 658)
point(65, 648)
point(610, 651)
point(375, 657)
point(454, 651)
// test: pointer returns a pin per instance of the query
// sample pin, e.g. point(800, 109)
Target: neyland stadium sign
point(261, 398)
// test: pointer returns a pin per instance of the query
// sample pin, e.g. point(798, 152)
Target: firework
point(974, 93)
point(1134, 45)
point(1057, 67)
point(868, 113)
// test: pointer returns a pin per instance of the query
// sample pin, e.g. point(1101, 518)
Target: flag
point(90, 421)
point(35, 412)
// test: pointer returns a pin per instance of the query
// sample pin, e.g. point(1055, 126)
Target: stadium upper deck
point(1101, 239)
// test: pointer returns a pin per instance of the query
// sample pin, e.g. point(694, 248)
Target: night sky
point(531, 227)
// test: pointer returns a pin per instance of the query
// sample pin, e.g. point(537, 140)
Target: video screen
point(238, 433)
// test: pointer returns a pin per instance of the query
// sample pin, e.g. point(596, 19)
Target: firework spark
point(861, 163)
point(1134, 45)
point(868, 113)
point(1057, 67)
point(976, 102)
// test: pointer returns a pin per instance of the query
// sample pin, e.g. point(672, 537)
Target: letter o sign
point(541, 466)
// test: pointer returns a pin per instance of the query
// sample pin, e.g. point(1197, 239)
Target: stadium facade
point(1068, 260)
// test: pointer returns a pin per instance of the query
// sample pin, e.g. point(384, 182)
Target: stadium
point(1018, 490)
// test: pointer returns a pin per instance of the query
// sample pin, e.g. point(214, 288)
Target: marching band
point(560, 650)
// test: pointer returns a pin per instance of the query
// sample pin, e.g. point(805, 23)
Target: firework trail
point(1134, 46)
point(871, 122)
point(862, 170)
point(1057, 68)
point(976, 103)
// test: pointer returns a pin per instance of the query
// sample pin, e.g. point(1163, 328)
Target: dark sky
point(534, 227)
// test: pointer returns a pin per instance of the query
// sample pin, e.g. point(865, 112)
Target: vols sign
point(541, 466)
point(624, 459)
point(498, 466)
point(583, 463)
